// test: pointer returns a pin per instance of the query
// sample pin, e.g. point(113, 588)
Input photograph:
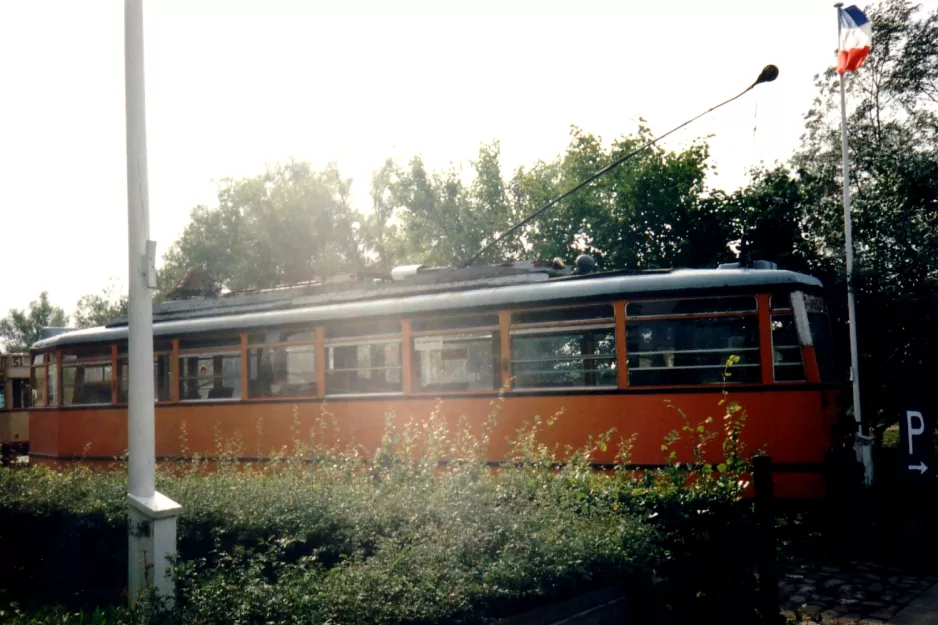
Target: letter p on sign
point(911, 415)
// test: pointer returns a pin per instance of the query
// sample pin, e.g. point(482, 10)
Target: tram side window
point(365, 367)
point(564, 356)
point(456, 362)
point(39, 381)
point(823, 346)
point(786, 350)
point(210, 376)
point(85, 382)
point(690, 351)
point(282, 370)
point(53, 387)
point(162, 378)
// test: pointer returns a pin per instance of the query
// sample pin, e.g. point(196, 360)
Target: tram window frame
point(361, 329)
point(780, 302)
point(75, 368)
point(441, 343)
point(548, 322)
point(258, 344)
point(430, 334)
point(383, 340)
point(721, 306)
point(219, 346)
point(163, 392)
point(748, 370)
point(39, 380)
point(779, 365)
point(824, 349)
point(439, 325)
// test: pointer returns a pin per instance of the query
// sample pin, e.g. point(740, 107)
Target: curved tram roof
point(391, 302)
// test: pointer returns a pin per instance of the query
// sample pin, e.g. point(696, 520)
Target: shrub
point(324, 535)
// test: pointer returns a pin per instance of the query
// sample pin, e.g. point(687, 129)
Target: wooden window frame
point(497, 376)
point(318, 350)
point(509, 329)
point(81, 361)
point(120, 358)
point(759, 312)
point(222, 351)
point(363, 340)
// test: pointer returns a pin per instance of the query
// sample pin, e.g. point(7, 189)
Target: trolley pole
point(152, 515)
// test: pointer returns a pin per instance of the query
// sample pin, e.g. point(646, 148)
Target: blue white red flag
point(856, 33)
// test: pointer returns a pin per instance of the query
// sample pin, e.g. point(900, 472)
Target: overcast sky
point(232, 86)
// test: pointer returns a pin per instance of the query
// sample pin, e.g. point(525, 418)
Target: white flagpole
point(863, 447)
point(152, 535)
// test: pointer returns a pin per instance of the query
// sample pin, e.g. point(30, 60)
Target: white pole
point(863, 441)
point(140, 306)
point(152, 535)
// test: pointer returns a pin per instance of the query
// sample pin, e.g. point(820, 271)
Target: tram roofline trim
point(627, 286)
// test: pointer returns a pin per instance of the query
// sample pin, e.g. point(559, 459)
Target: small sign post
point(916, 446)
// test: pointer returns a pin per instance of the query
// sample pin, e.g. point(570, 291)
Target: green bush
point(323, 534)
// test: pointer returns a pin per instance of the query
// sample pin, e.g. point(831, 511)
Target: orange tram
point(608, 348)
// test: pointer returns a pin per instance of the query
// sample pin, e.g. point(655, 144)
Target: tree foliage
point(289, 224)
point(893, 137)
point(649, 212)
point(439, 218)
point(97, 309)
point(21, 328)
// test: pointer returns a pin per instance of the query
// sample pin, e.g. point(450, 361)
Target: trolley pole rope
point(769, 73)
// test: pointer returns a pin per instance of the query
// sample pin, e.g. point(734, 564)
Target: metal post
point(863, 444)
point(768, 565)
point(152, 528)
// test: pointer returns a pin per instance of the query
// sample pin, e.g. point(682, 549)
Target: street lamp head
point(769, 73)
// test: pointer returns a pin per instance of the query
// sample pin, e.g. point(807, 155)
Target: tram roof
point(396, 300)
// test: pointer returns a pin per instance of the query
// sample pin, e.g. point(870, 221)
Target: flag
point(856, 33)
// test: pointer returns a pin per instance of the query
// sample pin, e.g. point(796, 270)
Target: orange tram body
point(610, 350)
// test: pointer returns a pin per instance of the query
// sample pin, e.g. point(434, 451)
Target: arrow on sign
point(920, 467)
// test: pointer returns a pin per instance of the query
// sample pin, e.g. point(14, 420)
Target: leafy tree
point(652, 211)
point(97, 309)
point(893, 135)
point(20, 329)
point(438, 218)
point(289, 224)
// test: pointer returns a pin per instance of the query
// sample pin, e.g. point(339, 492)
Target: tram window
point(786, 350)
point(85, 382)
point(20, 394)
point(581, 357)
point(53, 387)
point(370, 328)
point(692, 351)
point(39, 392)
point(780, 301)
point(282, 370)
point(560, 315)
point(162, 378)
point(699, 306)
point(210, 376)
point(456, 362)
point(272, 337)
point(454, 322)
point(210, 342)
point(362, 368)
point(823, 346)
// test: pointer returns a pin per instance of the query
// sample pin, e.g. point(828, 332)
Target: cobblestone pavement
point(850, 593)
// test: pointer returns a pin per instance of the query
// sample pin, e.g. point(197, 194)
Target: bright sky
point(232, 86)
